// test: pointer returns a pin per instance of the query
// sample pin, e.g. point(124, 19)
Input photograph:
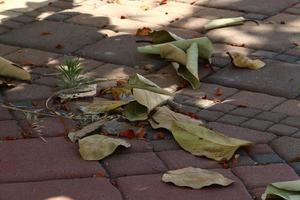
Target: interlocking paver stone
point(281, 129)
point(121, 50)
point(296, 167)
point(257, 124)
point(259, 149)
point(90, 188)
point(246, 112)
point(222, 107)
point(232, 119)
point(35, 160)
point(267, 158)
point(271, 116)
point(255, 6)
point(287, 84)
point(242, 133)
point(148, 187)
point(259, 176)
point(9, 129)
point(133, 164)
point(179, 159)
point(6, 49)
point(4, 114)
point(292, 121)
point(269, 37)
point(209, 115)
point(290, 107)
point(69, 36)
point(290, 20)
point(287, 147)
point(164, 145)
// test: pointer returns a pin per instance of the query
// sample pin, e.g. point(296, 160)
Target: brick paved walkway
point(261, 106)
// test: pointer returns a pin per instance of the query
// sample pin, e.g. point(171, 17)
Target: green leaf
point(97, 147)
point(11, 70)
point(224, 22)
point(163, 36)
point(164, 117)
point(288, 190)
point(195, 178)
point(201, 141)
point(205, 47)
point(101, 105)
point(135, 111)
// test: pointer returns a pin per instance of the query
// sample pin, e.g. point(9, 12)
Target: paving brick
point(214, 13)
point(255, 16)
point(294, 52)
point(232, 119)
point(244, 160)
point(264, 54)
point(261, 176)
point(148, 187)
point(246, 112)
point(220, 61)
point(257, 124)
point(6, 49)
point(220, 49)
point(48, 81)
point(250, 5)
point(137, 145)
point(296, 167)
point(289, 107)
point(10, 129)
point(24, 19)
point(294, 10)
point(257, 37)
point(287, 147)
point(133, 164)
point(222, 107)
point(262, 80)
point(209, 115)
point(189, 23)
point(292, 121)
point(259, 149)
point(209, 90)
point(255, 100)
point(177, 159)
point(12, 24)
point(25, 91)
point(267, 158)
point(257, 192)
point(121, 50)
point(69, 36)
point(242, 133)
point(297, 134)
point(31, 56)
point(5, 114)
point(286, 58)
point(287, 19)
point(281, 129)
point(164, 145)
point(112, 71)
point(271, 116)
point(55, 159)
point(95, 188)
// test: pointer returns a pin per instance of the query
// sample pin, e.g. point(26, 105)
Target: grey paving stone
point(244, 161)
point(222, 107)
point(287, 147)
point(297, 134)
point(281, 129)
point(296, 167)
point(267, 158)
point(271, 37)
point(292, 121)
point(12, 24)
point(271, 116)
point(95, 189)
point(9, 129)
point(264, 54)
point(24, 19)
point(293, 10)
point(271, 79)
point(6, 49)
point(246, 112)
point(164, 145)
point(149, 187)
point(255, 16)
point(209, 115)
point(259, 149)
point(285, 18)
point(122, 50)
point(220, 62)
point(242, 133)
point(257, 124)
point(250, 5)
point(289, 107)
point(286, 58)
point(70, 37)
point(232, 119)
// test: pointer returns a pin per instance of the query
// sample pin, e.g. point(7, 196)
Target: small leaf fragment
point(11, 70)
point(241, 61)
point(97, 147)
point(195, 178)
point(288, 190)
point(224, 22)
point(145, 31)
point(201, 141)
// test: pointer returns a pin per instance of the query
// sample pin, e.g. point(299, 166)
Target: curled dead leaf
point(145, 31)
point(241, 61)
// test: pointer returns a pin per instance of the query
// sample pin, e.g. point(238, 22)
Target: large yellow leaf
point(195, 178)
point(11, 70)
point(201, 141)
point(164, 117)
point(242, 61)
point(97, 147)
point(288, 190)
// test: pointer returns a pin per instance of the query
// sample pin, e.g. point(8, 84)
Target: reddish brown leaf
point(218, 92)
point(100, 174)
point(28, 63)
point(145, 31)
point(158, 136)
point(163, 2)
point(121, 82)
point(45, 33)
point(123, 17)
point(128, 134)
point(140, 133)
point(59, 46)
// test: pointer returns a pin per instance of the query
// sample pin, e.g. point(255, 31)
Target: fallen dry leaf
point(45, 33)
point(241, 61)
point(218, 92)
point(145, 31)
point(195, 178)
point(127, 134)
point(59, 46)
point(288, 190)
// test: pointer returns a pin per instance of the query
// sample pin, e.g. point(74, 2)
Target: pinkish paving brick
point(287, 147)
point(165, 145)
point(55, 159)
point(257, 124)
point(255, 100)
point(259, 149)
point(246, 112)
point(6, 49)
point(242, 133)
point(232, 119)
point(5, 114)
point(271, 116)
point(257, 192)
point(261, 176)
point(10, 129)
point(179, 159)
point(209, 115)
point(292, 121)
point(281, 129)
point(289, 107)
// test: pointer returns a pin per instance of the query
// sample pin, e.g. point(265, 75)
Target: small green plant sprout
point(71, 74)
